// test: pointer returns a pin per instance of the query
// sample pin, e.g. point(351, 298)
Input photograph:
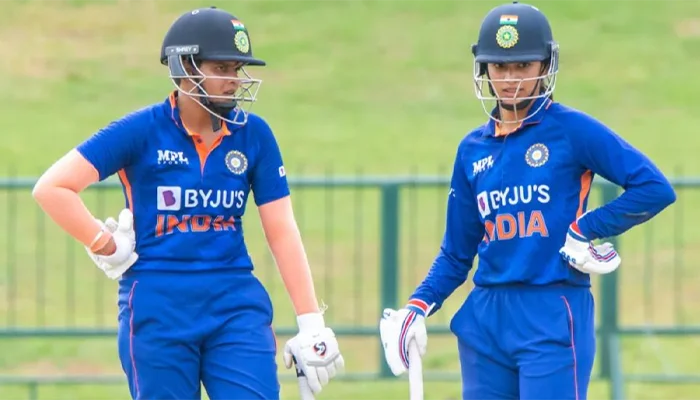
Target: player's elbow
point(661, 196)
point(666, 196)
point(41, 191)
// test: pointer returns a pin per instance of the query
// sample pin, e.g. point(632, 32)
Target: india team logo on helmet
point(507, 36)
point(537, 155)
point(241, 41)
point(236, 162)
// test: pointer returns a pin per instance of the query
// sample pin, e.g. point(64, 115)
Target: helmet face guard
point(219, 106)
point(489, 98)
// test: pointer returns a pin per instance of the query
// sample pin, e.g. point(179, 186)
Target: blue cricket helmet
point(211, 34)
point(208, 34)
point(515, 33)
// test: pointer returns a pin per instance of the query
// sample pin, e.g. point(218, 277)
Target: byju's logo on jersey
point(200, 210)
point(172, 157)
point(515, 195)
point(174, 198)
point(482, 165)
point(169, 198)
point(514, 222)
point(482, 200)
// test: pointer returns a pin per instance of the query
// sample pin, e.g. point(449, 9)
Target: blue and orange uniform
point(190, 308)
point(527, 328)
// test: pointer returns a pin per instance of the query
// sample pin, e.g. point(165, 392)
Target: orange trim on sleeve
point(586, 180)
point(127, 188)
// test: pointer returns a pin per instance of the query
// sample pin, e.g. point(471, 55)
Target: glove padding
point(397, 329)
point(581, 254)
point(315, 351)
point(114, 265)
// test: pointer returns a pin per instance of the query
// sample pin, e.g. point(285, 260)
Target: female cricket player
point(190, 308)
point(518, 199)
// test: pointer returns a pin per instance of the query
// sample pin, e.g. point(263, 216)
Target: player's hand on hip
point(398, 328)
point(315, 350)
point(581, 254)
point(122, 231)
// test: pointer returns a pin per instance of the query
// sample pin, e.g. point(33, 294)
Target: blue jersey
point(188, 201)
point(512, 199)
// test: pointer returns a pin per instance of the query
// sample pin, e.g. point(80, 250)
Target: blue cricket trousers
point(179, 329)
point(526, 342)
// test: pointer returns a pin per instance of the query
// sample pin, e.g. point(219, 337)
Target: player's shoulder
point(575, 121)
point(257, 128)
point(257, 124)
point(140, 119)
point(473, 138)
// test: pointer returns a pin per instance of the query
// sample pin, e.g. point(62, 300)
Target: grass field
point(352, 88)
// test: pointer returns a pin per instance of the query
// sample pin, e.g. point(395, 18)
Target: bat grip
point(305, 392)
point(415, 372)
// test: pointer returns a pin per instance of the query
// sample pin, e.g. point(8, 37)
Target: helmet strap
point(217, 110)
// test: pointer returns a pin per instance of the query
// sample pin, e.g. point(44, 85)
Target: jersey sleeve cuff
point(575, 232)
point(93, 159)
point(418, 306)
point(261, 201)
point(582, 228)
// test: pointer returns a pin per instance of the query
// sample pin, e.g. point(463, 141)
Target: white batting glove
point(315, 350)
point(398, 328)
point(581, 254)
point(114, 265)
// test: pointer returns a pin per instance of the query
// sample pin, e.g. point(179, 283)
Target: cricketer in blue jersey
point(518, 200)
point(191, 311)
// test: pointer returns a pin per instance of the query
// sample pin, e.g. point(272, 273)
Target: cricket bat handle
point(304, 389)
point(415, 372)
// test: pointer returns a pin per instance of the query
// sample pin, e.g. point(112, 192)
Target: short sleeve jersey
point(188, 200)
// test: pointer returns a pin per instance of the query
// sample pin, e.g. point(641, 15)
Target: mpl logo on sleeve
point(172, 157)
point(482, 165)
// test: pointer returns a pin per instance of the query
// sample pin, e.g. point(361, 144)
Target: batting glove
point(117, 263)
point(315, 351)
point(581, 254)
point(398, 328)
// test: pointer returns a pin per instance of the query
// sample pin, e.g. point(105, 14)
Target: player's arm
point(272, 196)
point(58, 189)
point(271, 193)
point(284, 240)
point(646, 190)
point(57, 193)
point(463, 233)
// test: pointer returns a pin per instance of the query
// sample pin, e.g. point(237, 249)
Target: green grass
point(352, 88)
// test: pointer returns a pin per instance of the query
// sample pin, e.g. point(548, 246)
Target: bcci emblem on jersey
point(236, 162)
point(537, 155)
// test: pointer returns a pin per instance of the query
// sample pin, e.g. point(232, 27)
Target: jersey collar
point(174, 112)
point(533, 119)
